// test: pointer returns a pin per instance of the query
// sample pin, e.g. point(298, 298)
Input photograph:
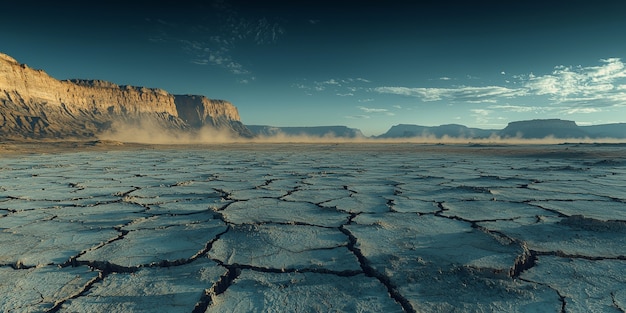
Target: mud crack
point(217, 289)
point(368, 270)
point(59, 303)
point(615, 304)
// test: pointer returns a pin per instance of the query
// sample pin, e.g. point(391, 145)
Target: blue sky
point(368, 65)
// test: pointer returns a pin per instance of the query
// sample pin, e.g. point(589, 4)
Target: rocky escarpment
point(35, 105)
point(199, 111)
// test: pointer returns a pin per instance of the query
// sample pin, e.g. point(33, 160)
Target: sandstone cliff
point(35, 105)
point(199, 111)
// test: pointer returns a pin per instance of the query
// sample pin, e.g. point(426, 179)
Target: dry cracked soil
point(313, 228)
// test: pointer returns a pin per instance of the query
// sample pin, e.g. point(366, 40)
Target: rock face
point(315, 131)
point(35, 105)
point(199, 111)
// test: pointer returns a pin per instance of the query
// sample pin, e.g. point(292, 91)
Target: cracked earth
point(357, 228)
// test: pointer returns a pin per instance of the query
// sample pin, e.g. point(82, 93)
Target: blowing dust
point(150, 132)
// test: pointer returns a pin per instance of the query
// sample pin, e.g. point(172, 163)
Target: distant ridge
point(534, 129)
point(530, 129)
point(449, 130)
point(616, 130)
point(314, 131)
point(37, 106)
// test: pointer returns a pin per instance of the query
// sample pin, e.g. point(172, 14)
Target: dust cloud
point(150, 132)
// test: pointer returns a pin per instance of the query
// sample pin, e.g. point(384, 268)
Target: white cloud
point(208, 56)
point(213, 44)
point(200, 61)
point(330, 82)
point(592, 85)
point(218, 59)
point(611, 70)
point(572, 86)
point(481, 115)
point(358, 116)
point(366, 100)
point(518, 108)
point(482, 101)
point(444, 78)
point(582, 110)
point(237, 68)
point(342, 87)
point(463, 93)
point(481, 112)
point(372, 110)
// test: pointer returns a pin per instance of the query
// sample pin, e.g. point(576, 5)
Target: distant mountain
point(35, 105)
point(542, 128)
point(531, 129)
point(314, 131)
point(617, 130)
point(450, 130)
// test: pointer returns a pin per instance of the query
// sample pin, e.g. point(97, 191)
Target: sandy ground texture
point(95, 226)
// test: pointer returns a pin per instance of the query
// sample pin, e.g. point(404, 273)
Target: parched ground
point(109, 227)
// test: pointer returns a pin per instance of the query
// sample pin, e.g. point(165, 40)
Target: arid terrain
point(105, 226)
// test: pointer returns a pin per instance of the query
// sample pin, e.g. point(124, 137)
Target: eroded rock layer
point(35, 105)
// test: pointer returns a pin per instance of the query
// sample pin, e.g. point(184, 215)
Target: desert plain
point(102, 226)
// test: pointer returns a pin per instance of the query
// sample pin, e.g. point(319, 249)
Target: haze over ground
point(361, 64)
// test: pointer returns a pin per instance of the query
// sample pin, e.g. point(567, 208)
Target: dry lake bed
point(313, 228)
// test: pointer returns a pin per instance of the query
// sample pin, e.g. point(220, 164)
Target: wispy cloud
point(340, 86)
point(482, 116)
point(519, 108)
point(582, 86)
point(331, 82)
point(481, 112)
point(372, 110)
point(582, 111)
point(213, 41)
point(463, 93)
point(591, 86)
point(362, 116)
